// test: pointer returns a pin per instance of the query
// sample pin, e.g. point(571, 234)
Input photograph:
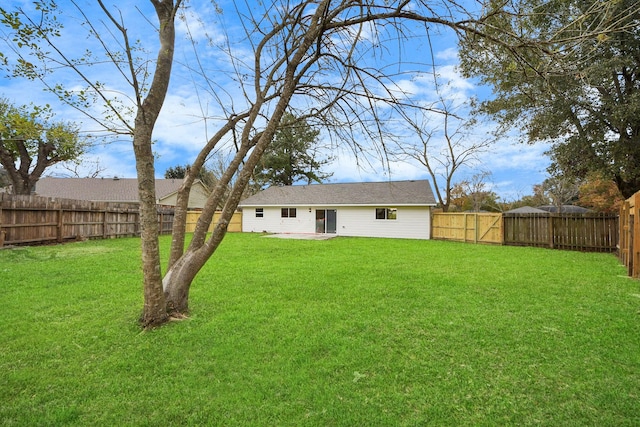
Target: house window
point(288, 213)
point(259, 212)
point(386, 213)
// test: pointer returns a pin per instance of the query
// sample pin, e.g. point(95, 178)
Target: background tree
point(4, 178)
point(443, 141)
point(205, 176)
point(473, 194)
point(600, 195)
point(580, 89)
point(218, 163)
point(30, 142)
point(81, 167)
point(561, 190)
point(292, 155)
point(176, 172)
point(538, 198)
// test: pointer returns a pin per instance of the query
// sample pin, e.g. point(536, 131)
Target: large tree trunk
point(177, 281)
point(183, 270)
point(22, 180)
point(627, 187)
point(154, 310)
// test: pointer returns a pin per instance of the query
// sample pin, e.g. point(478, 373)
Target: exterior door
point(326, 220)
point(331, 221)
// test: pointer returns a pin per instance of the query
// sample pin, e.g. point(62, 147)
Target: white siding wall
point(411, 222)
point(272, 222)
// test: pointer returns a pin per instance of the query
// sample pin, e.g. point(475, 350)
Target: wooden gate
point(468, 227)
point(630, 235)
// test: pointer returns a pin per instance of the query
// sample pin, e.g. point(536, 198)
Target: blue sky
point(181, 131)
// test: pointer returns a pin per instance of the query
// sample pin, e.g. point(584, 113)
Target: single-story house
point(526, 210)
point(547, 209)
point(397, 209)
point(120, 190)
point(573, 209)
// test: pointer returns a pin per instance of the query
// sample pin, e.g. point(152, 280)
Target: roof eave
point(370, 205)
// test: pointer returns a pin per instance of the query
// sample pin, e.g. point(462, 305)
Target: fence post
point(59, 227)
point(477, 232)
point(2, 233)
point(635, 236)
point(104, 223)
point(630, 245)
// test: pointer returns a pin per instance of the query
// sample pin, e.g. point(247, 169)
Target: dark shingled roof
point(101, 189)
point(565, 209)
point(526, 210)
point(390, 193)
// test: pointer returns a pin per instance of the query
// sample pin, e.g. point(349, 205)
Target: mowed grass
point(345, 332)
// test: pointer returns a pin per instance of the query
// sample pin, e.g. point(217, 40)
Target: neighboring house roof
point(565, 209)
point(390, 193)
point(526, 210)
point(102, 189)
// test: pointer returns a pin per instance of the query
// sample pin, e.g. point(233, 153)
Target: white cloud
point(369, 167)
point(516, 156)
point(449, 54)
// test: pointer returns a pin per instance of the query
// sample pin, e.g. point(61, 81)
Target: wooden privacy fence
point(467, 227)
point(591, 232)
point(235, 225)
point(583, 232)
point(33, 220)
point(630, 235)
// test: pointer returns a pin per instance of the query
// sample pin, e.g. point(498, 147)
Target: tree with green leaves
point(205, 176)
point(579, 89)
point(292, 155)
point(176, 172)
point(30, 142)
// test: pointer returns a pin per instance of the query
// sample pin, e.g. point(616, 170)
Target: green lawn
point(344, 332)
